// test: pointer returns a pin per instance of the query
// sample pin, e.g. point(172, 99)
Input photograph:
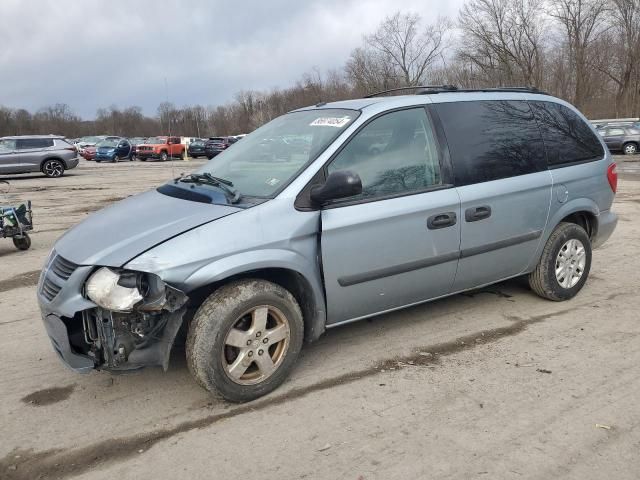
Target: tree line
point(584, 51)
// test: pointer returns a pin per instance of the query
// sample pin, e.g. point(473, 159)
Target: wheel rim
point(256, 344)
point(570, 263)
point(53, 169)
point(630, 149)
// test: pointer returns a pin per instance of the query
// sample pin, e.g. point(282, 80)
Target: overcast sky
point(95, 53)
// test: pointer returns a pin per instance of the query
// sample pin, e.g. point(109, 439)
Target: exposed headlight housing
point(104, 289)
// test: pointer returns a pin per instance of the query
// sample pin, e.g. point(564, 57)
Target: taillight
point(612, 176)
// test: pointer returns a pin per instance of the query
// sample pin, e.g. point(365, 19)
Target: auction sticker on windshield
point(338, 122)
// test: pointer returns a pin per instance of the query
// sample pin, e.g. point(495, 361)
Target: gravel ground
point(495, 383)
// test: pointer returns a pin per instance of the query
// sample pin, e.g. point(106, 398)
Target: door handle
point(441, 220)
point(474, 214)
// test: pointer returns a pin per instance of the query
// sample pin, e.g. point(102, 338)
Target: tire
point(115, 159)
point(133, 157)
point(163, 156)
point(238, 306)
point(630, 149)
point(23, 242)
point(545, 281)
point(53, 168)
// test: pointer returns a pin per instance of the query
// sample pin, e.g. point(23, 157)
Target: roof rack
point(432, 89)
point(425, 88)
point(505, 89)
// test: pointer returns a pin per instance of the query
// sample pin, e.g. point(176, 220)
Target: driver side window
point(394, 154)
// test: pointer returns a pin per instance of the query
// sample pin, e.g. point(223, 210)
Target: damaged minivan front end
point(136, 321)
point(117, 319)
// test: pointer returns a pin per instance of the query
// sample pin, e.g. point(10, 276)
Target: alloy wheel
point(53, 168)
point(256, 345)
point(570, 263)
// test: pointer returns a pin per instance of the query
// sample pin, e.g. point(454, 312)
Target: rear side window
point(25, 143)
point(567, 138)
point(491, 139)
point(395, 154)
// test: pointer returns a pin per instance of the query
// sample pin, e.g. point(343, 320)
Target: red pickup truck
point(160, 148)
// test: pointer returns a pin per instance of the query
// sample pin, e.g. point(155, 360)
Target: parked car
point(621, 139)
point(215, 145)
point(471, 188)
point(88, 153)
point(91, 141)
point(135, 141)
point(196, 148)
point(160, 148)
point(49, 154)
point(113, 149)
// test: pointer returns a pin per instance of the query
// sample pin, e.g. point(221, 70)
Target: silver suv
point(48, 154)
point(255, 254)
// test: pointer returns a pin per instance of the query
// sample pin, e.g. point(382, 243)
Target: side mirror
point(340, 184)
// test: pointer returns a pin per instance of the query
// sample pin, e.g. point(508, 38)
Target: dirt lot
point(492, 384)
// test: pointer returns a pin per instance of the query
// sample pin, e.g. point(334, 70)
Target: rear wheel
point(22, 242)
point(164, 156)
point(630, 149)
point(53, 168)
point(564, 265)
point(245, 339)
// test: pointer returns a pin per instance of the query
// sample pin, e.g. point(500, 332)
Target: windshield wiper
point(208, 179)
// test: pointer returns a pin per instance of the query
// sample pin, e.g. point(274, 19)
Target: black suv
point(621, 138)
point(215, 145)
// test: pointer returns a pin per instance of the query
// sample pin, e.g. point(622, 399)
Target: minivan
point(253, 257)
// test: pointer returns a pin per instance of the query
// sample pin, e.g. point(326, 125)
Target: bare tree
point(503, 40)
point(583, 22)
point(406, 46)
point(618, 55)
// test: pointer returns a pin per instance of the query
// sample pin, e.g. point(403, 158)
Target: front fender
point(245, 262)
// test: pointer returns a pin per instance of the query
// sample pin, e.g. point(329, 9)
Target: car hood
point(114, 236)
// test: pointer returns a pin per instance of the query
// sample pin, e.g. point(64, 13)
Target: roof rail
point(431, 89)
point(426, 88)
point(505, 89)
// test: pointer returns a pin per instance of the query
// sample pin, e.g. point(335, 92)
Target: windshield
point(267, 159)
point(198, 143)
point(108, 143)
point(156, 141)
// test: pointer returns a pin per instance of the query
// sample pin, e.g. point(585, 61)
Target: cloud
point(96, 53)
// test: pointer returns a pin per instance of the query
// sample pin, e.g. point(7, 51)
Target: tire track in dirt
point(28, 279)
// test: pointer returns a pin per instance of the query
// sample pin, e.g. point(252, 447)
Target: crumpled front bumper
point(65, 313)
point(59, 336)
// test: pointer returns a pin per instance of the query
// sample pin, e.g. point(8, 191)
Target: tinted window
point(394, 154)
point(615, 131)
point(567, 138)
point(489, 140)
point(34, 143)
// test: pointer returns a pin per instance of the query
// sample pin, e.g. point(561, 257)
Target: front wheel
point(53, 168)
point(564, 265)
point(22, 242)
point(630, 149)
point(115, 159)
point(245, 339)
